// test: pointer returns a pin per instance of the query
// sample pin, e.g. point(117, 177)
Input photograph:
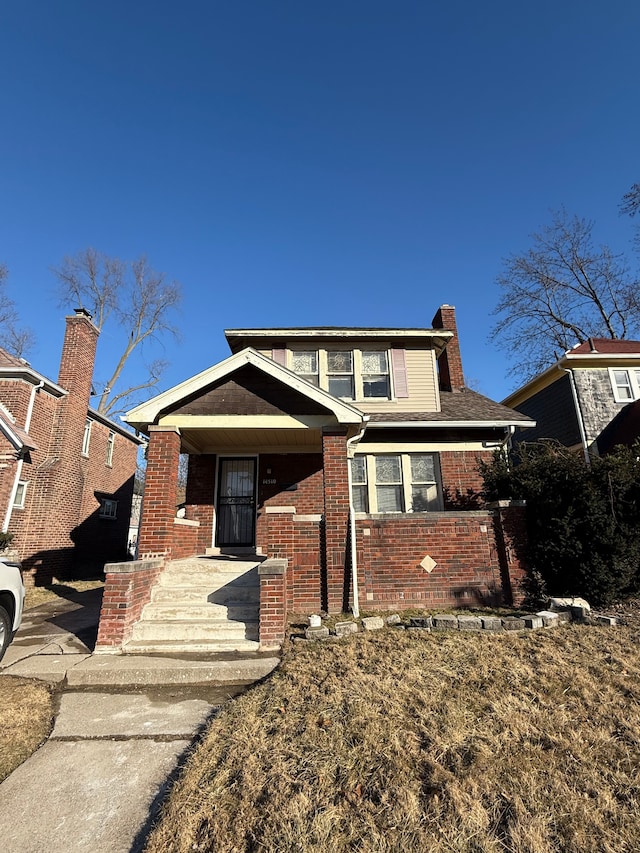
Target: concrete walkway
point(124, 726)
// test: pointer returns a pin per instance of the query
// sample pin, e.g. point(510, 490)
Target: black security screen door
point(236, 504)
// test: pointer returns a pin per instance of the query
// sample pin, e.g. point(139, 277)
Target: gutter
point(576, 403)
point(352, 518)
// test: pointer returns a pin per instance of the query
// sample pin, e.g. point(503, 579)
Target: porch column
point(160, 493)
point(336, 518)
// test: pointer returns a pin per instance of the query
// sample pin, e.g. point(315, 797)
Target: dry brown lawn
point(26, 716)
point(43, 594)
point(437, 742)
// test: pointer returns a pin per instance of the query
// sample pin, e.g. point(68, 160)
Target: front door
point(236, 504)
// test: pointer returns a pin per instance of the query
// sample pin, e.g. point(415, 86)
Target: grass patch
point(26, 716)
point(36, 595)
point(444, 742)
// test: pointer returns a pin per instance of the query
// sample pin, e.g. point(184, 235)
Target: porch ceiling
point(251, 440)
point(218, 433)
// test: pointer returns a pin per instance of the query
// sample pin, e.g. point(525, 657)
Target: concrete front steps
point(201, 605)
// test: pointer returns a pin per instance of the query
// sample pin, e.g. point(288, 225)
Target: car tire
point(5, 631)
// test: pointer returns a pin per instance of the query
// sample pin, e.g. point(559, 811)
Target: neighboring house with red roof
point(66, 471)
point(588, 400)
point(351, 454)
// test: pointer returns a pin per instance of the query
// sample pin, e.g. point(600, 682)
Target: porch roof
point(205, 430)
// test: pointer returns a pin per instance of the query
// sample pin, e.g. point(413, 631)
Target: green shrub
point(5, 540)
point(583, 522)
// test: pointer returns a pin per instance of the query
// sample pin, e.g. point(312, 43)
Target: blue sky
point(296, 163)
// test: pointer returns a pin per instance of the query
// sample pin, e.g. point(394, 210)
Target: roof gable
point(248, 391)
point(213, 379)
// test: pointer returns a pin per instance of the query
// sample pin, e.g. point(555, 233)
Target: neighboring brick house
point(588, 400)
point(351, 453)
point(66, 471)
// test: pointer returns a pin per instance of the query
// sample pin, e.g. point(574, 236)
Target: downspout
point(352, 518)
point(583, 434)
point(14, 488)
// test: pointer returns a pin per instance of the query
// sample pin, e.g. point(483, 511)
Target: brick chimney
point(449, 363)
point(75, 375)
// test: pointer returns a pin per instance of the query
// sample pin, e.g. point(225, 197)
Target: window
point(18, 501)
point(398, 482)
point(359, 484)
point(375, 374)
point(110, 442)
point(626, 384)
point(350, 374)
point(86, 439)
point(305, 364)
point(340, 374)
point(389, 492)
point(108, 508)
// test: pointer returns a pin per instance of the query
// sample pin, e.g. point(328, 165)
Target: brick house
point(588, 400)
point(66, 471)
point(348, 457)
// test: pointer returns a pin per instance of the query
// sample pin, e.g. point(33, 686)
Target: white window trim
point(18, 502)
point(633, 375)
point(86, 438)
point(112, 505)
point(356, 352)
point(405, 462)
point(111, 440)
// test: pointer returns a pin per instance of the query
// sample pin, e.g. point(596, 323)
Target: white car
point(11, 600)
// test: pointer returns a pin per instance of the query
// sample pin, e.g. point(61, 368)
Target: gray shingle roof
point(464, 405)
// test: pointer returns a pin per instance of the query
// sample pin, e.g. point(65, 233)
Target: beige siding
point(422, 380)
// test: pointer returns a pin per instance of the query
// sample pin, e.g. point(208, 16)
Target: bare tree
point(15, 338)
point(630, 206)
point(132, 297)
point(631, 201)
point(560, 292)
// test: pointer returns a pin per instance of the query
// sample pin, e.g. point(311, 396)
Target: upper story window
point(375, 374)
point(110, 442)
point(349, 374)
point(305, 364)
point(340, 374)
point(86, 438)
point(626, 384)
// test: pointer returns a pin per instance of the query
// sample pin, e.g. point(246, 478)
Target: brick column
point(126, 591)
point(336, 518)
point(160, 493)
point(510, 524)
point(273, 603)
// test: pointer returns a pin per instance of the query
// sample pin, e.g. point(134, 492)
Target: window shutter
point(398, 364)
point(279, 356)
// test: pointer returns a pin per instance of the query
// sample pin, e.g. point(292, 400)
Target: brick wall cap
point(452, 514)
point(273, 566)
point(186, 522)
point(164, 428)
point(131, 566)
